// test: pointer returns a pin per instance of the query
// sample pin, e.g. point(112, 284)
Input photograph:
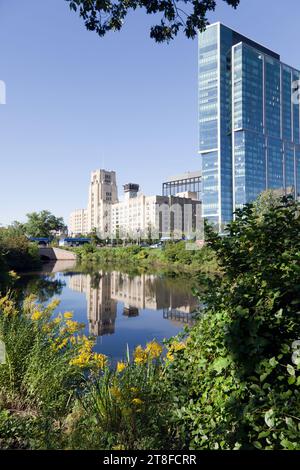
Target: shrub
point(16, 252)
point(238, 378)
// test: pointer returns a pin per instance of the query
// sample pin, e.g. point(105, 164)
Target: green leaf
point(291, 370)
point(273, 362)
point(269, 418)
point(221, 363)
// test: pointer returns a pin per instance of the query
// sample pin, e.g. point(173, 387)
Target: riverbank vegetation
point(182, 257)
point(16, 252)
point(230, 382)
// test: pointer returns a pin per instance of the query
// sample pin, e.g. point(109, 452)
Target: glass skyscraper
point(249, 123)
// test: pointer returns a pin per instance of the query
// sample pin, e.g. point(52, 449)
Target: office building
point(186, 182)
point(78, 223)
point(140, 216)
point(136, 216)
point(249, 135)
point(103, 193)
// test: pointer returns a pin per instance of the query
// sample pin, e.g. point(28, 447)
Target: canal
point(118, 308)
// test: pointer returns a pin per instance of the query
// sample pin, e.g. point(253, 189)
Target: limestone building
point(103, 193)
point(136, 216)
point(78, 223)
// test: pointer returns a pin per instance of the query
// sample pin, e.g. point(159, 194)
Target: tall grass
point(55, 392)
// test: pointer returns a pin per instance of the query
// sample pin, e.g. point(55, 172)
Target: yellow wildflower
point(59, 344)
point(47, 328)
point(52, 305)
point(140, 355)
point(99, 360)
point(174, 348)
point(85, 356)
point(121, 366)
point(116, 392)
point(154, 349)
point(170, 356)
point(137, 401)
point(83, 360)
point(73, 326)
point(134, 390)
point(68, 315)
point(13, 275)
point(86, 344)
point(37, 315)
point(29, 303)
point(7, 306)
point(57, 320)
point(178, 346)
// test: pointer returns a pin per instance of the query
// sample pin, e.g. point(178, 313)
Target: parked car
point(156, 245)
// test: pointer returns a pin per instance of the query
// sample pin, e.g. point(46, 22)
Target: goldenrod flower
point(116, 392)
point(99, 360)
point(121, 366)
point(57, 320)
point(52, 305)
point(140, 355)
point(154, 349)
point(86, 344)
point(73, 326)
point(60, 344)
point(134, 390)
point(170, 356)
point(13, 275)
point(37, 315)
point(7, 306)
point(137, 401)
point(178, 346)
point(83, 360)
point(68, 315)
point(29, 303)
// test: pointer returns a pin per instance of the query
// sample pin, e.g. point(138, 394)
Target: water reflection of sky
point(120, 309)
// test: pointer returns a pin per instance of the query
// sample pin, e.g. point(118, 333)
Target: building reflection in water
point(104, 290)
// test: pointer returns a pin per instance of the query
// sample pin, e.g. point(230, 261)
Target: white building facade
point(78, 223)
point(136, 216)
point(141, 217)
point(103, 192)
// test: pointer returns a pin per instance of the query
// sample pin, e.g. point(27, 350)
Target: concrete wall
point(56, 254)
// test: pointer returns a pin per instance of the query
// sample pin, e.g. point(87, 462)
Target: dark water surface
point(118, 308)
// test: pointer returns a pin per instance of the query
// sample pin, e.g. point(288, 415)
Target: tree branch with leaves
point(190, 16)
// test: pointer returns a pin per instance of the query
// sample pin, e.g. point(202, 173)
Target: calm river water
point(117, 307)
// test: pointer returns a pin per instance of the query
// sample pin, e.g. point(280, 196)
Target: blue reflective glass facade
point(249, 123)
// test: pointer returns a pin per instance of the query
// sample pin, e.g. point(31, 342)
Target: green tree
point(43, 224)
point(105, 15)
point(16, 252)
point(238, 379)
point(95, 239)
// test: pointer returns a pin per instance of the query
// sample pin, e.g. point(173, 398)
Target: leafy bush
point(238, 378)
point(16, 252)
point(173, 255)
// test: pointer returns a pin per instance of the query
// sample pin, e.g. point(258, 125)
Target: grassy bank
point(173, 257)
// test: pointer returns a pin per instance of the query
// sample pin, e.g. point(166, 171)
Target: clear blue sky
point(76, 102)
